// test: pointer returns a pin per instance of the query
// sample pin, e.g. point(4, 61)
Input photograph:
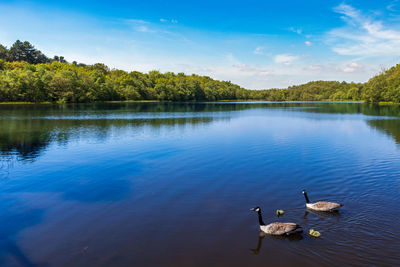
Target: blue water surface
point(171, 184)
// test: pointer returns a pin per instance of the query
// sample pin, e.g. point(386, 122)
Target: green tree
point(3, 52)
point(24, 51)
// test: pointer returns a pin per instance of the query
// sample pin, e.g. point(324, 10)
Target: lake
point(172, 184)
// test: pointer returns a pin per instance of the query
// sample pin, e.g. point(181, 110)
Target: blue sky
point(256, 44)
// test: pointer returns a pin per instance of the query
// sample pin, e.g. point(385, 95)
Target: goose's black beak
point(253, 209)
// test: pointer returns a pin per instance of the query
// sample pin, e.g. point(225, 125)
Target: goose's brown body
point(324, 206)
point(321, 205)
point(278, 228)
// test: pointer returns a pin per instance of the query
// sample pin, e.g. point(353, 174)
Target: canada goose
point(277, 228)
point(321, 205)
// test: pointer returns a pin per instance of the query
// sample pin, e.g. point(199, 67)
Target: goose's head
point(256, 209)
point(304, 191)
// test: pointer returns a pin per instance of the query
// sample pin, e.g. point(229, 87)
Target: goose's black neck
point(305, 195)
point(260, 220)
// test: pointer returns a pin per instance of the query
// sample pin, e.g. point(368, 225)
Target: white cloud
point(143, 28)
point(296, 30)
point(139, 25)
point(251, 70)
point(314, 67)
point(348, 69)
point(308, 43)
point(263, 73)
point(136, 21)
point(148, 27)
point(174, 21)
point(363, 36)
point(348, 11)
point(352, 67)
point(286, 59)
point(259, 50)
point(394, 6)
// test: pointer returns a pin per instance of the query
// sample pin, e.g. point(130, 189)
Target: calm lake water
point(137, 184)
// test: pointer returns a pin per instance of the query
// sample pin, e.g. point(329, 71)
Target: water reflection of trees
point(389, 126)
point(121, 108)
point(27, 138)
point(168, 107)
point(26, 130)
point(351, 108)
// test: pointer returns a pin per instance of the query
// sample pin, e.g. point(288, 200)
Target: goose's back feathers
point(278, 228)
point(324, 206)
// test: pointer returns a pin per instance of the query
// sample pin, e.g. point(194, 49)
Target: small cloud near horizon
point(286, 59)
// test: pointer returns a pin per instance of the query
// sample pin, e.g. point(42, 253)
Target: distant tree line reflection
point(26, 131)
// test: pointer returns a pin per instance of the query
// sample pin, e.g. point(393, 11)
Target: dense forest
point(27, 75)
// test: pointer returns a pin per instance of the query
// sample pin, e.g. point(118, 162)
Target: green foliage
point(27, 75)
point(312, 91)
point(3, 52)
point(384, 87)
point(72, 83)
point(24, 51)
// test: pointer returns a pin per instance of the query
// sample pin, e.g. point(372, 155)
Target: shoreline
point(238, 100)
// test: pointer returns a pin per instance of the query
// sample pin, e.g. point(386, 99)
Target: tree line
point(27, 75)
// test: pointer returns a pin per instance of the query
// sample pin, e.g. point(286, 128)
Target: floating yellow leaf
point(279, 212)
point(314, 233)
